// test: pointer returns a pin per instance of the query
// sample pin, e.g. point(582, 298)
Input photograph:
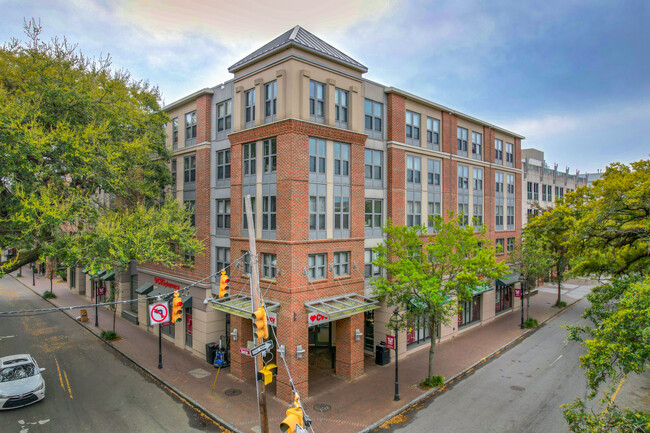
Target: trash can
point(382, 354)
point(211, 352)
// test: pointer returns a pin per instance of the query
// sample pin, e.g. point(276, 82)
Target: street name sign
point(159, 313)
point(264, 347)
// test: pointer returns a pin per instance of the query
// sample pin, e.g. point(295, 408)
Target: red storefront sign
point(390, 341)
point(165, 283)
point(188, 324)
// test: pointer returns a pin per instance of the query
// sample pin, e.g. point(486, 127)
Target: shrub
point(561, 304)
point(530, 323)
point(48, 295)
point(108, 335)
point(435, 381)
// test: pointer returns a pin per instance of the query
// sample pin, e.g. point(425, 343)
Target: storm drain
point(322, 407)
point(231, 392)
point(517, 388)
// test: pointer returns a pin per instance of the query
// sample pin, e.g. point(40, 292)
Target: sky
point(572, 76)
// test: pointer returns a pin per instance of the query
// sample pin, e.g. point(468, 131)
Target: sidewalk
point(353, 405)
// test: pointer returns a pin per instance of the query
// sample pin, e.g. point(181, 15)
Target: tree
point(71, 132)
point(428, 275)
point(553, 228)
point(533, 258)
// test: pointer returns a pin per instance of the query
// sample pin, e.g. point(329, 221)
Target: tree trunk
point(24, 258)
point(559, 283)
point(432, 347)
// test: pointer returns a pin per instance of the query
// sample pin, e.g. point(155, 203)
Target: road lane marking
point(558, 358)
point(59, 370)
point(68, 383)
point(618, 388)
point(7, 336)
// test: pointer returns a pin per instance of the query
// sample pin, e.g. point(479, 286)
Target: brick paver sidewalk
point(355, 405)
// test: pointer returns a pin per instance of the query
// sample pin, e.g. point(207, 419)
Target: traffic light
point(261, 325)
point(267, 372)
point(177, 308)
point(294, 422)
point(223, 285)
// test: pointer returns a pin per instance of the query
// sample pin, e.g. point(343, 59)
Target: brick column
point(293, 331)
point(396, 118)
point(203, 118)
point(449, 123)
point(349, 353)
point(241, 366)
point(396, 176)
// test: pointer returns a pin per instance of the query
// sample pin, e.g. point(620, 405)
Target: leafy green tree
point(71, 131)
point(533, 259)
point(554, 228)
point(427, 275)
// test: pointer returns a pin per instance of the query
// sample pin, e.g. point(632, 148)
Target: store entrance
point(322, 352)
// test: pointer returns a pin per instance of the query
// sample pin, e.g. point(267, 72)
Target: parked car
point(21, 382)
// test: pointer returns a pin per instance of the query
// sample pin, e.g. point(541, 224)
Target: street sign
point(158, 313)
point(390, 341)
point(101, 291)
point(517, 293)
point(245, 351)
point(264, 347)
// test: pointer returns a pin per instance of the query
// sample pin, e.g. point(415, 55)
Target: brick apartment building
point(326, 156)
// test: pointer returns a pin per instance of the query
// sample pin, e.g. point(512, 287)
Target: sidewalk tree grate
point(231, 392)
point(517, 388)
point(322, 407)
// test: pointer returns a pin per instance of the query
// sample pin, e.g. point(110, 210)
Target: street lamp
point(523, 287)
point(394, 323)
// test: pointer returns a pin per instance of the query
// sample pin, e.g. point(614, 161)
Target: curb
point(181, 395)
point(410, 405)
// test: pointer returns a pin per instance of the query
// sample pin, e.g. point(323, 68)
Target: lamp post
point(394, 322)
point(523, 287)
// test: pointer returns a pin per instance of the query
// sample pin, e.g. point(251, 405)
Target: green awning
point(509, 279)
point(108, 276)
point(144, 289)
point(481, 289)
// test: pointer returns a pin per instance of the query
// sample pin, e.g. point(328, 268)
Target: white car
point(21, 382)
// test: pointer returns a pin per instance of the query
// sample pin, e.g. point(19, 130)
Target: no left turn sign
point(158, 313)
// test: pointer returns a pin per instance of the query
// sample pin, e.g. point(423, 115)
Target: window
point(245, 218)
point(270, 98)
point(316, 155)
point(511, 244)
point(433, 133)
point(498, 151)
point(529, 188)
point(498, 218)
point(341, 213)
point(463, 177)
point(224, 115)
point(477, 144)
point(317, 210)
point(341, 159)
point(434, 208)
point(269, 266)
point(510, 180)
point(190, 205)
point(469, 311)
point(247, 263)
point(270, 155)
point(461, 138)
point(549, 192)
point(433, 175)
point(373, 213)
point(373, 164)
point(499, 246)
point(341, 264)
point(249, 150)
point(510, 153)
point(190, 125)
point(370, 270)
point(188, 257)
point(530, 213)
point(561, 192)
point(544, 197)
point(173, 170)
point(269, 212)
point(175, 133)
point(373, 115)
point(222, 256)
point(249, 105)
point(477, 213)
point(412, 126)
point(510, 217)
point(463, 213)
point(223, 164)
point(341, 106)
point(317, 99)
point(223, 213)
point(503, 297)
point(498, 183)
point(317, 266)
point(536, 191)
point(189, 172)
point(413, 213)
point(477, 178)
point(413, 169)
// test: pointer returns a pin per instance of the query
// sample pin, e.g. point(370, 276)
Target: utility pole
point(255, 304)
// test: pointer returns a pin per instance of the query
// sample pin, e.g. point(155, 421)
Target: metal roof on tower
point(301, 38)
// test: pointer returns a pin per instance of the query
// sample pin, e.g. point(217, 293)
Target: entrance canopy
point(241, 305)
point(338, 307)
point(509, 279)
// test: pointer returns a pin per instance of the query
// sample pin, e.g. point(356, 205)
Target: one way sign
point(264, 347)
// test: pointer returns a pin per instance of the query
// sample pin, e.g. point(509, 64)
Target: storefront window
point(188, 327)
point(369, 331)
point(503, 297)
point(469, 311)
point(417, 332)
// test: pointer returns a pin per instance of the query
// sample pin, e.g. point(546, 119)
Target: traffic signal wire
point(22, 313)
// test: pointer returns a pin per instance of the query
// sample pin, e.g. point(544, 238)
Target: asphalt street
point(89, 386)
point(518, 392)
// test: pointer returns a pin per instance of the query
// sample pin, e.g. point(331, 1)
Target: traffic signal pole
point(255, 283)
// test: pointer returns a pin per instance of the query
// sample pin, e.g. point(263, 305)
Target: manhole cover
point(517, 388)
point(322, 407)
point(230, 392)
